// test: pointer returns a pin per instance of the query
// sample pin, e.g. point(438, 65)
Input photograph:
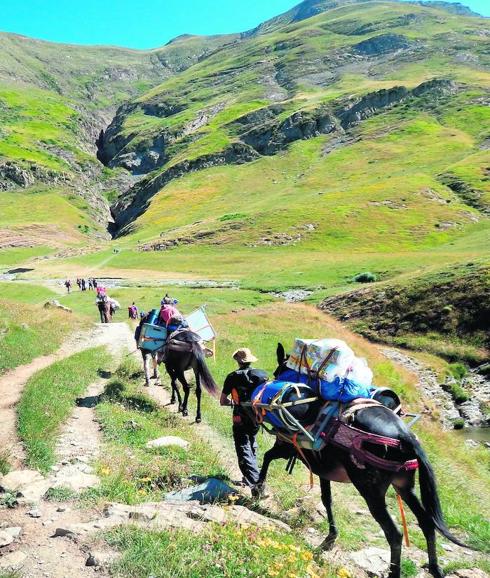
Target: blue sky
point(142, 23)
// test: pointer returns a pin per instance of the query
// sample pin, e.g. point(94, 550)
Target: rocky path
point(48, 539)
point(12, 383)
point(35, 550)
point(432, 390)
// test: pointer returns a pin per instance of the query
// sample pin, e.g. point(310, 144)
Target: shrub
point(458, 371)
point(458, 423)
point(366, 277)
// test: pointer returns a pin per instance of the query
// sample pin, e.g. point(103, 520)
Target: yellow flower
point(344, 573)
point(105, 471)
point(306, 555)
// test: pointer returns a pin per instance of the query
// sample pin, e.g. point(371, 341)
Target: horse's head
point(281, 359)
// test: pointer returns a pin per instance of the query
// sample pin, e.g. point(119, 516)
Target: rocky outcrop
point(265, 132)
point(269, 138)
point(382, 44)
point(375, 102)
point(13, 176)
point(135, 201)
point(470, 195)
point(116, 147)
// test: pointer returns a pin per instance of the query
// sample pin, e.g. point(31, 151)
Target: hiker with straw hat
point(238, 386)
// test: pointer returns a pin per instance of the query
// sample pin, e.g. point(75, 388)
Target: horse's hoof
point(172, 402)
point(328, 543)
point(259, 491)
point(434, 571)
point(157, 383)
point(154, 376)
point(198, 420)
point(185, 413)
point(147, 384)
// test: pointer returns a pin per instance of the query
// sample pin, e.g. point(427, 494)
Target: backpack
point(248, 380)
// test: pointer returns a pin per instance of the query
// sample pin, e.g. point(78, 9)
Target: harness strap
point(259, 412)
point(404, 520)
point(301, 453)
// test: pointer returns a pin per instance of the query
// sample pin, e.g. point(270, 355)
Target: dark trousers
point(246, 451)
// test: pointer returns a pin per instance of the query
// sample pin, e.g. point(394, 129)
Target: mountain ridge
point(281, 147)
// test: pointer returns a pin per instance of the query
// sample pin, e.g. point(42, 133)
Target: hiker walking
point(84, 285)
point(68, 285)
point(239, 385)
point(90, 286)
point(79, 283)
point(133, 311)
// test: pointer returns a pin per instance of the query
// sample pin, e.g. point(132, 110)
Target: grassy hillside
point(395, 184)
point(27, 330)
point(54, 101)
point(444, 312)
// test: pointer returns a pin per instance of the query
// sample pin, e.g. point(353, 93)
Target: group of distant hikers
point(83, 284)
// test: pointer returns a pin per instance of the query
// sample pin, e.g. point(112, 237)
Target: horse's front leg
point(326, 490)
point(277, 451)
point(174, 388)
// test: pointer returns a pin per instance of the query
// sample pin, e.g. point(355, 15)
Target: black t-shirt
point(240, 385)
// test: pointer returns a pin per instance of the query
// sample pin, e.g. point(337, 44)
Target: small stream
point(478, 434)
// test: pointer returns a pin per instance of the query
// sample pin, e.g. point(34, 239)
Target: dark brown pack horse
point(333, 464)
point(181, 353)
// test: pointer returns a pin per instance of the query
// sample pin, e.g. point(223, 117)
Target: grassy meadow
point(28, 330)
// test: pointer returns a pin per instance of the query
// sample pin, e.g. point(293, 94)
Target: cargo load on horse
point(321, 385)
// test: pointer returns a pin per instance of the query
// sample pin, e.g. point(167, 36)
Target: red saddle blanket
point(356, 441)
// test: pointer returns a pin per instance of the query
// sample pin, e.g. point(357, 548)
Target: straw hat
point(244, 355)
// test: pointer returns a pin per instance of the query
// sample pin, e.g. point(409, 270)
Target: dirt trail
point(12, 383)
point(225, 454)
point(36, 552)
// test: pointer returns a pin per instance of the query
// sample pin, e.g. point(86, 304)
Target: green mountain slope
point(54, 100)
point(336, 138)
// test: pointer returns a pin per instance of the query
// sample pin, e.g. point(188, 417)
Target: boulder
point(54, 303)
point(9, 535)
point(209, 492)
point(31, 485)
point(167, 441)
point(374, 561)
point(5, 539)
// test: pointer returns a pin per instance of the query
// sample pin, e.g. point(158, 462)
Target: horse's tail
point(203, 371)
point(428, 493)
